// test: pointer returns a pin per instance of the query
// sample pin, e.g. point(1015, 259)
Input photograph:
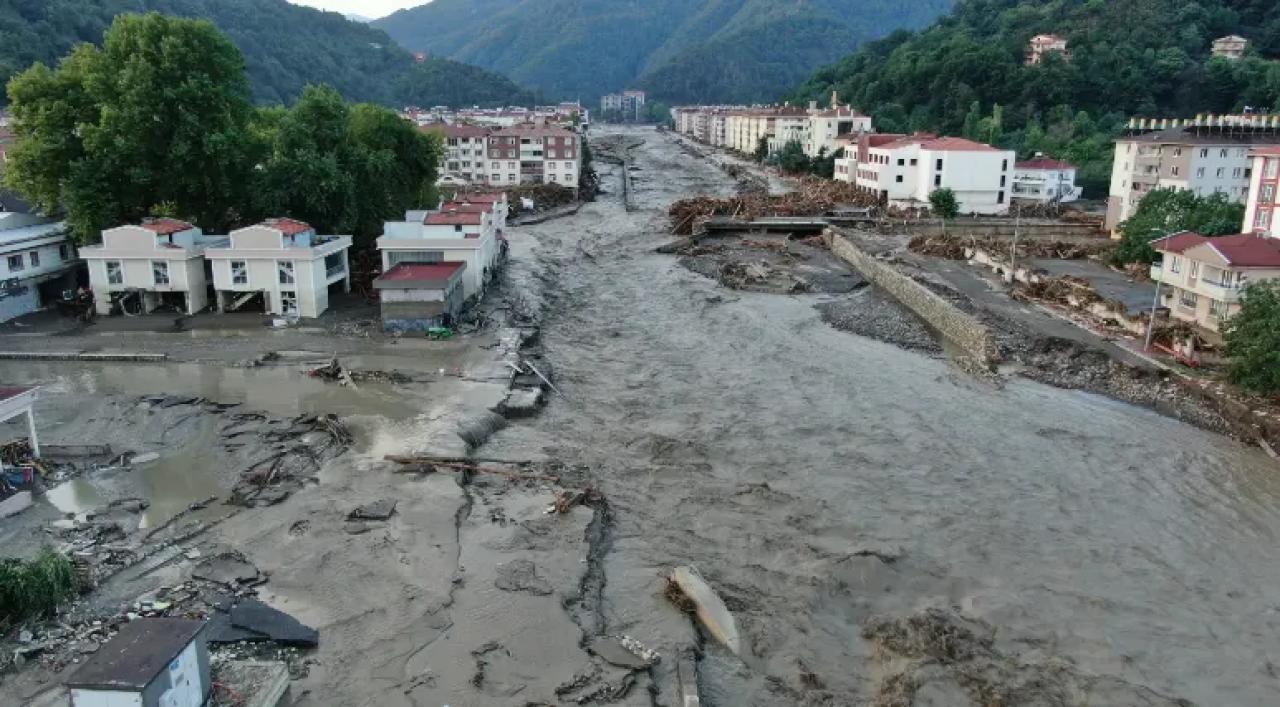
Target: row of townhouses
point(628, 104)
point(570, 114)
point(520, 154)
point(821, 131)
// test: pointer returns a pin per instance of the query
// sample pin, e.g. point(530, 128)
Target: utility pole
point(1013, 249)
point(1151, 319)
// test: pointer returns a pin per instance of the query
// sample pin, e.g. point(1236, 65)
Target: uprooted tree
point(1253, 339)
point(36, 587)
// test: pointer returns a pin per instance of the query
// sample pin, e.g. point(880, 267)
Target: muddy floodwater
point(819, 479)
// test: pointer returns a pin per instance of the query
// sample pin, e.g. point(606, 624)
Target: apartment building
point(1206, 276)
point(1045, 180)
point(1262, 209)
point(828, 127)
point(280, 266)
point(1207, 155)
point(1043, 45)
point(455, 233)
point(903, 171)
point(630, 103)
point(39, 263)
point(464, 151)
point(533, 155)
point(160, 261)
point(1230, 47)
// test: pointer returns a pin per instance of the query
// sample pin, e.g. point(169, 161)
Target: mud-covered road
point(819, 479)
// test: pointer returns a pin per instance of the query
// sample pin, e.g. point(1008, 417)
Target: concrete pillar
point(102, 302)
point(31, 429)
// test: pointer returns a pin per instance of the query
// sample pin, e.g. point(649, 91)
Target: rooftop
point(1248, 251)
point(11, 392)
point(287, 226)
point(481, 197)
point(483, 207)
point(419, 275)
point(1266, 151)
point(1044, 163)
point(19, 234)
point(165, 226)
point(1178, 242)
point(1206, 135)
point(454, 218)
point(941, 144)
point(132, 659)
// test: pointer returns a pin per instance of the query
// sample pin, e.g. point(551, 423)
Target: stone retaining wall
point(963, 330)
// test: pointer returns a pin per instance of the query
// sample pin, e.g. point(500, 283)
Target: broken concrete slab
point(623, 651)
point(521, 576)
point(710, 609)
point(378, 510)
point(229, 569)
point(15, 504)
point(521, 402)
point(255, 617)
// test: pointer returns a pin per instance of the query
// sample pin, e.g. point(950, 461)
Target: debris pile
point(301, 446)
point(954, 247)
point(333, 371)
point(813, 197)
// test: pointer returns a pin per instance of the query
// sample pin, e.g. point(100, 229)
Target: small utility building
point(150, 663)
point(418, 296)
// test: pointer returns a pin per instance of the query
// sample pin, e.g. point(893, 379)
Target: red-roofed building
point(279, 266)
point(1262, 208)
point(1206, 276)
point(533, 154)
point(417, 296)
point(165, 226)
point(1044, 44)
point(459, 232)
point(464, 146)
point(153, 263)
point(903, 170)
point(1045, 180)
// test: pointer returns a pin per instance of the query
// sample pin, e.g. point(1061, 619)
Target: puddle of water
point(170, 484)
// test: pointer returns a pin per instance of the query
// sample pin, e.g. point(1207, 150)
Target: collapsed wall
point(964, 330)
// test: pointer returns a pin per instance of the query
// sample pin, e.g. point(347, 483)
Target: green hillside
point(716, 50)
point(967, 73)
point(285, 46)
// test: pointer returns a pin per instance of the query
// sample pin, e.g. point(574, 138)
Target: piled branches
point(953, 247)
point(814, 197)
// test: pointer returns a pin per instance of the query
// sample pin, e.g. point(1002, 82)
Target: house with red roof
point(464, 231)
point(417, 296)
point(141, 267)
point(280, 266)
point(1262, 206)
point(1042, 180)
point(1206, 276)
point(903, 170)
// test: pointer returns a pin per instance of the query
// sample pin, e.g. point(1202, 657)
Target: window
point(35, 258)
point(1004, 165)
point(15, 263)
point(939, 163)
point(285, 270)
point(495, 177)
point(511, 178)
point(1263, 220)
point(1175, 265)
point(937, 180)
point(457, 228)
point(1273, 167)
point(1195, 269)
point(1237, 172)
point(1268, 193)
point(1217, 309)
point(511, 165)
point(160, 272)
point(902, 162)
point(64, 253)
point(1200, 171)
point(1177, 152)
point(1204, 152)
point(1000, 197)
point(1224, 153)
point(1002, 178)
point(914, 161)
point(1221, 171)
point(239, 272)
point(1187, 299)
point(1173, 171)
point(115, 273)
point(898, 179)
point(288, 302)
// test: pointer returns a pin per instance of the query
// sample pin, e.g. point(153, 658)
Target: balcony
point(1217, 291)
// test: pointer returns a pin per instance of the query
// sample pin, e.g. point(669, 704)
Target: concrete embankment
point(965, 331)
point(95, 356)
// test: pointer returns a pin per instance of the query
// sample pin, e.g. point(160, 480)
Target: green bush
point(1253, 339)
point(34, 588)
point(944, 203)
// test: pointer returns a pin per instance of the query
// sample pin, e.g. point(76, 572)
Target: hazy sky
point(368, 8)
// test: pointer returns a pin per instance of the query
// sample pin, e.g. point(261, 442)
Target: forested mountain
point(678, 50)
point(285, 46)
point(967, 74)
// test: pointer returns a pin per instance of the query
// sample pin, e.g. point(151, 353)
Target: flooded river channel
point(819, 479)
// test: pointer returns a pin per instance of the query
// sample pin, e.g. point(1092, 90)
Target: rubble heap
point(954, 247)
point(813, 197)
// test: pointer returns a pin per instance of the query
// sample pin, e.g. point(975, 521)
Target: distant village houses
point(1230, 47)
point(1043, 45)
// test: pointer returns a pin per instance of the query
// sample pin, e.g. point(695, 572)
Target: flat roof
point(450, 218)
point(12, 236)
point(138, 653)
point(419, 276)
point(11, 392)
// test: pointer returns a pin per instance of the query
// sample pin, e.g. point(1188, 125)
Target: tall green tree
point(944, 203)
point(1165, 211)
point(1253, 339)
point(158, 115)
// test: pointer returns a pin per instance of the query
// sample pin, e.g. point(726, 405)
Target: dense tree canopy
point(286, 47)
point(159, 121)
point(1253, 339)
point(967, 74)
point(1165, 211)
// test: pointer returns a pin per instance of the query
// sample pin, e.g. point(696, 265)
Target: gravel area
point(873, 314)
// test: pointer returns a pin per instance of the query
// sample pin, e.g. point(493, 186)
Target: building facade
point(1230, 47)
point(828, 127)
point(452, 234)
point(419, 296)
point(282, 265)
point(39, 263)
point(1042, 45)
point(1205, 277)
point(464, 151)
point(533, 155)
point(1045, 180)
point(1207, 155)
point(160, 261)
point(903, 172)
point(1262, 209)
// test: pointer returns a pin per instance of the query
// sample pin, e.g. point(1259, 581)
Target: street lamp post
point(1151, 318)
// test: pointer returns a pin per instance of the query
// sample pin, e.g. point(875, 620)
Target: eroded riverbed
point(819, 479)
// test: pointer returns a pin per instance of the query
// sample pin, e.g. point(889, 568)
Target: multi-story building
point(1262, 209)
point(905, 171)
point(1206, 276)
point(533, 155)
point(1042, 45)
point(160, 261)
point(1045, 180)
point(1207, 155)
point(1230, 47)
point(464, 151)
point(629, 103)
point(40, 263)
point(282, 265)
point(456, 233)
point(827, 127)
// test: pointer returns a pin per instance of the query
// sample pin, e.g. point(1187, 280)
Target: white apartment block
point(464, 152)
point(1045, 180)
point(465, 232)
point(39, 263)
point(161, 260)
point(1210, 155)
point(741, 128)
point(828, 127)
point(282, 265)
point(1262, 209)
point(906, 170)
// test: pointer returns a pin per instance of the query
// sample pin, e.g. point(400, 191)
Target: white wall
point(50, 260)
point(105, 698)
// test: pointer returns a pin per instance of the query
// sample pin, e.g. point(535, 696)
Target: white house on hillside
point(1044, 180)
point(283, 264)
point(162, 260)
point(39, 263)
